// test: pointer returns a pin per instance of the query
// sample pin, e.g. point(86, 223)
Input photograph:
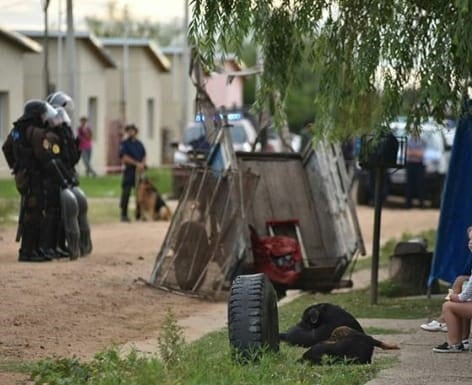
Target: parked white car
point(243, 135)
point(438, 139)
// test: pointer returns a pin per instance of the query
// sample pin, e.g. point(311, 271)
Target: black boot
point(31, 256)
point(48, 254)
point(62, 252)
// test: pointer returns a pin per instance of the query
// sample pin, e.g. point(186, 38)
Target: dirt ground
point(79, 307)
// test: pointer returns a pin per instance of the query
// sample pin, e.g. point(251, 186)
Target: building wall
point(90, 83)
point(224, 94)
point(173, 96)
point(11, 85)
point(147, 78)
point(143, 84)
point(221, 93)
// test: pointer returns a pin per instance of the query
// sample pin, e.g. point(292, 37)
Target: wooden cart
point(208, 242)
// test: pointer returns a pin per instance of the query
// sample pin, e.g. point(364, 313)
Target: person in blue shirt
point(133, 157)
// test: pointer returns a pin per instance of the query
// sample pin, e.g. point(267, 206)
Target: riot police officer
point(26, 148)
point(74, 227)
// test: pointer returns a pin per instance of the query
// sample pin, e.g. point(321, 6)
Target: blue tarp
point(452, 256)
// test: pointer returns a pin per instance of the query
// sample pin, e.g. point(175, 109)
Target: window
point(92, 114)
point(4, 118)
point(150, 118)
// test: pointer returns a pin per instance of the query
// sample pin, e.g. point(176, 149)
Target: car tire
point(253, 323)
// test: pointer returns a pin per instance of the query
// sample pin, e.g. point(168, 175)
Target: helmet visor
point(63, 116)
point(50, 114)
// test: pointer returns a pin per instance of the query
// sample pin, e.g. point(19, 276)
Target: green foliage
point(209, 360)
point(364, 54)
point(60, 371)
point(171, 341)
point(107, 368)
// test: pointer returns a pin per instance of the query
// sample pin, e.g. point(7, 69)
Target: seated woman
point(457, 313)
point(439, 324)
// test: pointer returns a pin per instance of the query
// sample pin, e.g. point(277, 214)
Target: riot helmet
point(61, 118)
point(61, 99)
point(38, 111)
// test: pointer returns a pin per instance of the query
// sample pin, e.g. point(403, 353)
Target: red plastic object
point(278, 256)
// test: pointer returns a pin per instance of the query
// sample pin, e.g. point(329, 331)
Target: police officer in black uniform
point(60, 174)
point(74, 235)
point(26, 148)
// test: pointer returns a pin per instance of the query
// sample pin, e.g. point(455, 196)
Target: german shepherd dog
point(329, 330)
point(150, 204)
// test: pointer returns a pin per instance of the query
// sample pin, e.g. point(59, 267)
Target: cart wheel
point(193, 254)
point(252, 316)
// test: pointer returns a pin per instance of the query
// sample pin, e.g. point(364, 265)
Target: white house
point(92, 64)
point(13, 47)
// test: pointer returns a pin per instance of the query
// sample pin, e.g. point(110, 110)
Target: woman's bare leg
point(455, 314)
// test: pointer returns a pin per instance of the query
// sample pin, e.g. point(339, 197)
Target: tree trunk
point(410, 272)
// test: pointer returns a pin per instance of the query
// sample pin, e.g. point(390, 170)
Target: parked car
point(243, 135)
point(438, 139)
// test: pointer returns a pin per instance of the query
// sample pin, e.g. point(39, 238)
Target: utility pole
point(71, 60)
point(59, 47)
point(186, 71)
point(45, 4)
point(125, 79)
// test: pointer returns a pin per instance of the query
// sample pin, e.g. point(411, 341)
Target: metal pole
point(46, 49)
point(186, 68)
point(59, 47)
point(71, 61)
point(124, 88)
point(379, 175)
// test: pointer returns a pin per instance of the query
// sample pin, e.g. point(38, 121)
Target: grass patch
point(103, 191)
point(358, 304)
point(198, 365)
point(9, 211)
point(210, 361)
point(107, 186)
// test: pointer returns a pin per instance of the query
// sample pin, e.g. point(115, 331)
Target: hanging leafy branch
point(364, 53)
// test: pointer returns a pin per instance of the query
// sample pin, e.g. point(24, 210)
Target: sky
point(28, 14)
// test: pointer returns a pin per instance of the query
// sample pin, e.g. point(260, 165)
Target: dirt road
point(79, 307)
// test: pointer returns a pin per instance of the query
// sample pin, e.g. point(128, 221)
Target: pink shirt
point(84, 133)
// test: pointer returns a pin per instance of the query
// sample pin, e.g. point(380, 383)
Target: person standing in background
point(415, 171)
point(84, 134)
point(133, 157)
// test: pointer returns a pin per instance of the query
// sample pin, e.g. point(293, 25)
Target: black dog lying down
point(328, 329)
point(346, 345)
point(317, 323)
